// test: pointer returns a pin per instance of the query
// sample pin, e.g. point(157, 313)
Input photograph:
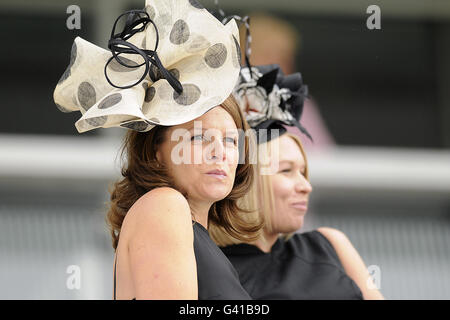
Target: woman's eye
point(198, 137)
point(231, 140)
point(286, 170)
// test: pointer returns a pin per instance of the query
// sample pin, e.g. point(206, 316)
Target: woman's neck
point(200, 212)
point(266, 242)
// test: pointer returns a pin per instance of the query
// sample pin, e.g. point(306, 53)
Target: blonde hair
point(259, 201)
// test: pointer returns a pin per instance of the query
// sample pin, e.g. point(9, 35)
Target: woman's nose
point(303, 185)
point(217, 150)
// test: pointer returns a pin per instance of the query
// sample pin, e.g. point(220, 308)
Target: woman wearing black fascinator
point(283, 264)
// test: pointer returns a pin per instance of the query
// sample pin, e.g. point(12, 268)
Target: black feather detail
point(272, 75)
point(268, 80)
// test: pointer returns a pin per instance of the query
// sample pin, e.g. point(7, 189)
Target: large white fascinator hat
point(169, 64)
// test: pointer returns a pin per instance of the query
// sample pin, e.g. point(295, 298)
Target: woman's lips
point(301, 205)
point(219, 174)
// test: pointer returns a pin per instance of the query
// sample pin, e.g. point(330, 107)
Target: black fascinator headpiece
point(270, 99)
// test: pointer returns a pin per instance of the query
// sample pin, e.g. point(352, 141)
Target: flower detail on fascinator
point(269, 99)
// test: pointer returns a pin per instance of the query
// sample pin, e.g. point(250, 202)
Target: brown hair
point(143, 173)
point(259, 199)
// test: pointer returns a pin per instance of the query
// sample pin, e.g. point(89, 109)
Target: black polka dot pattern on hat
point(150, 94)
point(180, 32)
point(73, 57)
point(216, 55)
point(154, 73)
point(97, 121)
point(114, 65)
point(191, 93)
point(196, 4)
point(175, 73)
point(195, 51)
point(135, 125)
point(86, 95)
point(110, 101)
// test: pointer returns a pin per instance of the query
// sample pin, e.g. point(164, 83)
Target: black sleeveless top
point(304, 267)
point(216, 276)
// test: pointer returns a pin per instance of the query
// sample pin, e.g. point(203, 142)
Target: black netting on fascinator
point(270, 99)
point(169, 64)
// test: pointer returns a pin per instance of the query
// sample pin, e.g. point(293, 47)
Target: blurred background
point(379, 113)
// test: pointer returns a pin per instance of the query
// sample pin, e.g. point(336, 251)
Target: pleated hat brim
point(194, 46)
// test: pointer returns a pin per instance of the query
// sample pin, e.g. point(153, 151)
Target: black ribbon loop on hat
point(118, 44)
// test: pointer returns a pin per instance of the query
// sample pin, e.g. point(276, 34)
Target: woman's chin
point(216, 193)
point(295, 225)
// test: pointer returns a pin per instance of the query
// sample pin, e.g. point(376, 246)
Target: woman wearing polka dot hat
point(172, 67)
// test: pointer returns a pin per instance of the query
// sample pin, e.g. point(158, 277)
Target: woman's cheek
point(276, 186)
point(282, 186)
point(233, 156)
point(196, 153)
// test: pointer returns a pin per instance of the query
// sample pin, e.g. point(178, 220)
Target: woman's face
point(290, 188)
point(202, 155)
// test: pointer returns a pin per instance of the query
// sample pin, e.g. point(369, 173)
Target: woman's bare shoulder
point(161, 209)
point(332, 234)
point(159, 237)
